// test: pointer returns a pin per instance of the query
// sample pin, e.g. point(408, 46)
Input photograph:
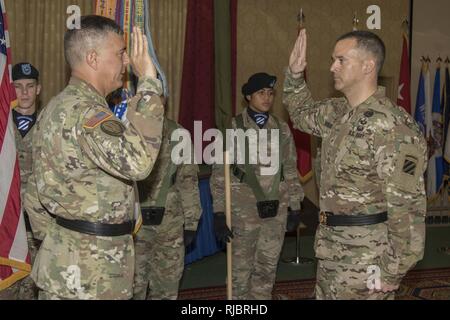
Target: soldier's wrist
point(294, 208)
point(295, 75)
point(148, 83)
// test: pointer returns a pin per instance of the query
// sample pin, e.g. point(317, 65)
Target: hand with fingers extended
point(293, 220)
point(223, 233)
point(189, 237)
point(297, 60)
point(140, 59)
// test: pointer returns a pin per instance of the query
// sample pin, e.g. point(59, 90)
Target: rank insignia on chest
point(97, 119)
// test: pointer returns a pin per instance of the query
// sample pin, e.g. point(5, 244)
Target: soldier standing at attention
point(26, 84)
point(170, 206)
point(259, 202)
point(85, 164)
point(372, 196)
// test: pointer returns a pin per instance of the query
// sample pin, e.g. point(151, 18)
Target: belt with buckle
point(96, 228)
point(332, 220)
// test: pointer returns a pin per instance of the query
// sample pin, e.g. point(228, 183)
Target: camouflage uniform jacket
point(183, 197)
point(23, 145)
point(373, 160)
point(290, 190)
point(85, 162)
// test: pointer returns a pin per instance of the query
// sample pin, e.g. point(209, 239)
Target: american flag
point(14, 257)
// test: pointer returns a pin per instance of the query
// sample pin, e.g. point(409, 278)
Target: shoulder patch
point(409, 168)
point(410, 165)
point(97, 119)
point(113, 128)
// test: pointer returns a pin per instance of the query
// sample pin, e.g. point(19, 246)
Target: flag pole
point(228, 221)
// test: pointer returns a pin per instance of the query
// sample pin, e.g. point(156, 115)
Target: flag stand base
point(298, 260)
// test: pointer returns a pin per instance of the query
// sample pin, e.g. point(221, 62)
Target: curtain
point(168, 25)
point(197, 90)
point(36, 29)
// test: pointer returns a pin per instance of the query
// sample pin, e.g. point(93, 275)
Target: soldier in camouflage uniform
point(85, 164)
point(170, 206)
point(257, 235)
point(26, 83)
point(372, 196)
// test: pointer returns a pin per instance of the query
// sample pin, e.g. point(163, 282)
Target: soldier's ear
point(92, 59)
point(369, 66)
point(38, 89)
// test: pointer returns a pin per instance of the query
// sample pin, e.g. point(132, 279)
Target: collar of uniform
point(87, 90)
point(379, 94)
point(249, 123)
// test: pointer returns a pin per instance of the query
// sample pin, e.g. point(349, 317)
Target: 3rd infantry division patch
point(410, 164)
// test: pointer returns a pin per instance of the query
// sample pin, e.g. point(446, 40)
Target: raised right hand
point(140, 59)
point(297, 60)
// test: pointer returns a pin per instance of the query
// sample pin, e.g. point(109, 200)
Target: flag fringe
point(306, 177)
point(24, 270)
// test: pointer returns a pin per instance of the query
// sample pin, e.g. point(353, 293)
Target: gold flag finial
point(405, 27)
point(301, 20)
point(355, 21)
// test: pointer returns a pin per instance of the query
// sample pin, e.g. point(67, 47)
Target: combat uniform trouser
point(159, 259)
point(339, 281)
point(45, 295)
point(28, 289)
point(11, 292)
point(24, 289)
point(257, 246)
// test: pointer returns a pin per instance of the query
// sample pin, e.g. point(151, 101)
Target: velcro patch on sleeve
point(97, 119)
point(410, 165)
point(113, 128)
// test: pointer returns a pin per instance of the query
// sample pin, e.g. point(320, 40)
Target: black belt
point(332, 220)
point(96, 228)
point(27, 222)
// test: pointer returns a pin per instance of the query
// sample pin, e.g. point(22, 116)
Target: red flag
point(14, 257)
point(404, 91)
point(303, 146)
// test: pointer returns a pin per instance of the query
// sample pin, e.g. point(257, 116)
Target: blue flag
point(419, 114)
point(446, 110)
point(435, 175)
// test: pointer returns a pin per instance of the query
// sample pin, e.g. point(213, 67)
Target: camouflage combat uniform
point(160, 248)
point(257, 242)
point(28, 288)
point(85, 165)
point(24, 289)
point(373, 160)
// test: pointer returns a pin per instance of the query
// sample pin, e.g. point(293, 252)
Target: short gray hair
point(93, 30)
point(369, 42)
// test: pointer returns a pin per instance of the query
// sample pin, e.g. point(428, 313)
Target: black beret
point(24, 70)
point(257, 82)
